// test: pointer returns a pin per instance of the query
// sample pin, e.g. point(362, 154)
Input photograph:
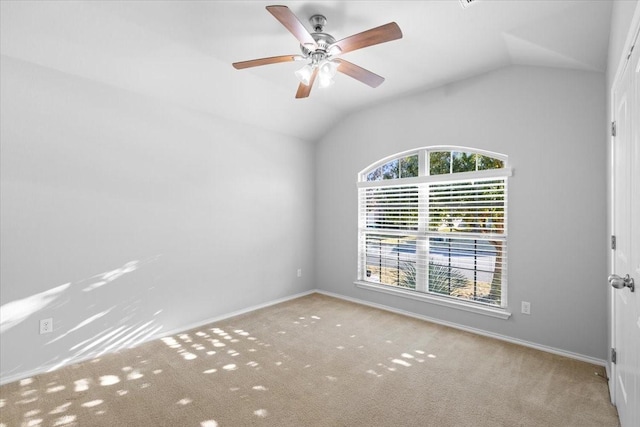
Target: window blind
point(445, 237)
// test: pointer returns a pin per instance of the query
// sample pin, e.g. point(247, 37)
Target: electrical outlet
point(526, 307)
point(299, 272)
point(46, 326)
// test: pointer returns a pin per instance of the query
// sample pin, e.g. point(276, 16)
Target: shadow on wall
point(112, 326)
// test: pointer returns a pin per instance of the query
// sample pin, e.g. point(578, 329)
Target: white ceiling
point(181, 51)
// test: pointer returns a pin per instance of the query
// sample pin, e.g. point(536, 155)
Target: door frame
point(634, 32)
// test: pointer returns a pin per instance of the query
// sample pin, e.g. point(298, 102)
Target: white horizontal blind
point(390, 208)
point(468, 206)
point(446, 238)
point(467, 239)
point(392, 246)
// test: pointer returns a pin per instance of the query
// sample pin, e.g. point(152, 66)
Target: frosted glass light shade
point(325, 81)
point(304, 74)
point(327, 68)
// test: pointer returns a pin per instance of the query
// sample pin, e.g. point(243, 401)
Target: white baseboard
point(43, 369)
point(547, 349)
point(233, 314)
point(46, 368)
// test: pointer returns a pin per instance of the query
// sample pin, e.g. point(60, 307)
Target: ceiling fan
point(321, 49)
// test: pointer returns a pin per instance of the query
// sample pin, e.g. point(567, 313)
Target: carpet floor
point(316, 361)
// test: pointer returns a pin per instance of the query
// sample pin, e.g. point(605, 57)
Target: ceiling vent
point(466, 3)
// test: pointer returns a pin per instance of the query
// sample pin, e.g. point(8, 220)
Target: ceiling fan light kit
point(320, 49)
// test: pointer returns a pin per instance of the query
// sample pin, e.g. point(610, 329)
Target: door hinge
point(613, 128)
point(613, 242)
point(614, 355)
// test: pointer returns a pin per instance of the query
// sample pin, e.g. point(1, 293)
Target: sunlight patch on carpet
point(401, 362)
point(262, 413)
point(64, 421)
point(388, 368)
point(60, 409)
point(134, 375)
point(372, 372)
point(92, 403)
point(107, 380)
point(171, 342)
point(81, 385)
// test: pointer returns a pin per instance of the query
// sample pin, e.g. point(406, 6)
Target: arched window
point(433, 221)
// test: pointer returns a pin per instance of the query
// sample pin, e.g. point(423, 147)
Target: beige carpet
point(316, 361)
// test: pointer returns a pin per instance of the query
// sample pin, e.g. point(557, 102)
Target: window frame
point(422, 181)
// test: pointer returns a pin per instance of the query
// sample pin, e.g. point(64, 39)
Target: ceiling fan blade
point(381, 34)
point(359, 73)
point(305, 90)
point(293, 24)
point(266, 61)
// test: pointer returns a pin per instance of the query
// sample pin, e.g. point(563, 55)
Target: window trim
point(501, 312)
point(362, 175)
point(485, 174)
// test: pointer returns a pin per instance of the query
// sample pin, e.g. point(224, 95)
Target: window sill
point(431, 299)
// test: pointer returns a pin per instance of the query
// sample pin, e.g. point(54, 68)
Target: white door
point(625, 381)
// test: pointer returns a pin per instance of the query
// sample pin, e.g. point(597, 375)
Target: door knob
point(622, 282)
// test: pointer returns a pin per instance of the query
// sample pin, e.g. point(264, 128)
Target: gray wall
point(123, 217)
point(550, 124)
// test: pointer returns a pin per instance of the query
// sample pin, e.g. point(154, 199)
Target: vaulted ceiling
point(181, 51)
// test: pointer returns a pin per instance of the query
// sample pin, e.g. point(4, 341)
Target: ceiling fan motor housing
point(323, 40)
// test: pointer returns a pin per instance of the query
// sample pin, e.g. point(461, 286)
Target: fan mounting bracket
point(318, 22)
